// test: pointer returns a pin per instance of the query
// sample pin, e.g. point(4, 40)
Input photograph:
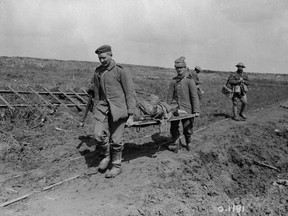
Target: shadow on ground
point(225, 115)
point(93, 153)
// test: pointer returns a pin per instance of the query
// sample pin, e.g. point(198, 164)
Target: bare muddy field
point(50, 163)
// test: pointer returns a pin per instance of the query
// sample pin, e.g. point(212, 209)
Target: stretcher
point(161, 122)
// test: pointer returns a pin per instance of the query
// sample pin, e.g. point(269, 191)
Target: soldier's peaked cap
point(103, 49)
point(240, 64)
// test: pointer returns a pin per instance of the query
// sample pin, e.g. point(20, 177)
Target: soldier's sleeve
point(246, 79)
point(194, 99)
point(170, 94)
point(91, 86)
point(94, 85)
point(128, 88)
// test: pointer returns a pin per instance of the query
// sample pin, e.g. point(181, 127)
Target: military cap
point(103, 49)
point(180, 62)
point(197, 68)
point(240, 64)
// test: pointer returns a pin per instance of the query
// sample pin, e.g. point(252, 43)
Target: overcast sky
point(214, 34)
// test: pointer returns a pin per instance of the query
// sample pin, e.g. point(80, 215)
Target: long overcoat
point(184, 93)
point(115, 89)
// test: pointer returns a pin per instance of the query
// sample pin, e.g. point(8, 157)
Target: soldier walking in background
point(194, 75)
point(115, 107)
point(183, 92)
point(238, 82)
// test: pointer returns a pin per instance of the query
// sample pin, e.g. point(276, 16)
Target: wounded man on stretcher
point(155, 109)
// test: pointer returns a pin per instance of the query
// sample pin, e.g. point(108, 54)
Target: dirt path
point(220, 176)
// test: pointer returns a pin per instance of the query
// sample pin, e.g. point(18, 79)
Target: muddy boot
point(105, 161)
point(242, 115)
point(175, 146)
point(116, 168)
point(234, 116)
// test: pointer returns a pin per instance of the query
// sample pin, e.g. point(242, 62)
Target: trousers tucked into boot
point(188, 140)
point(175, 146)
point(243, 107)
point(234, 112)
point(105, 161)
point(116, 165)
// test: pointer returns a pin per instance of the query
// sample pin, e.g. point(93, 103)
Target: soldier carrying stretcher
point(114, 109)
point(183, 92)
